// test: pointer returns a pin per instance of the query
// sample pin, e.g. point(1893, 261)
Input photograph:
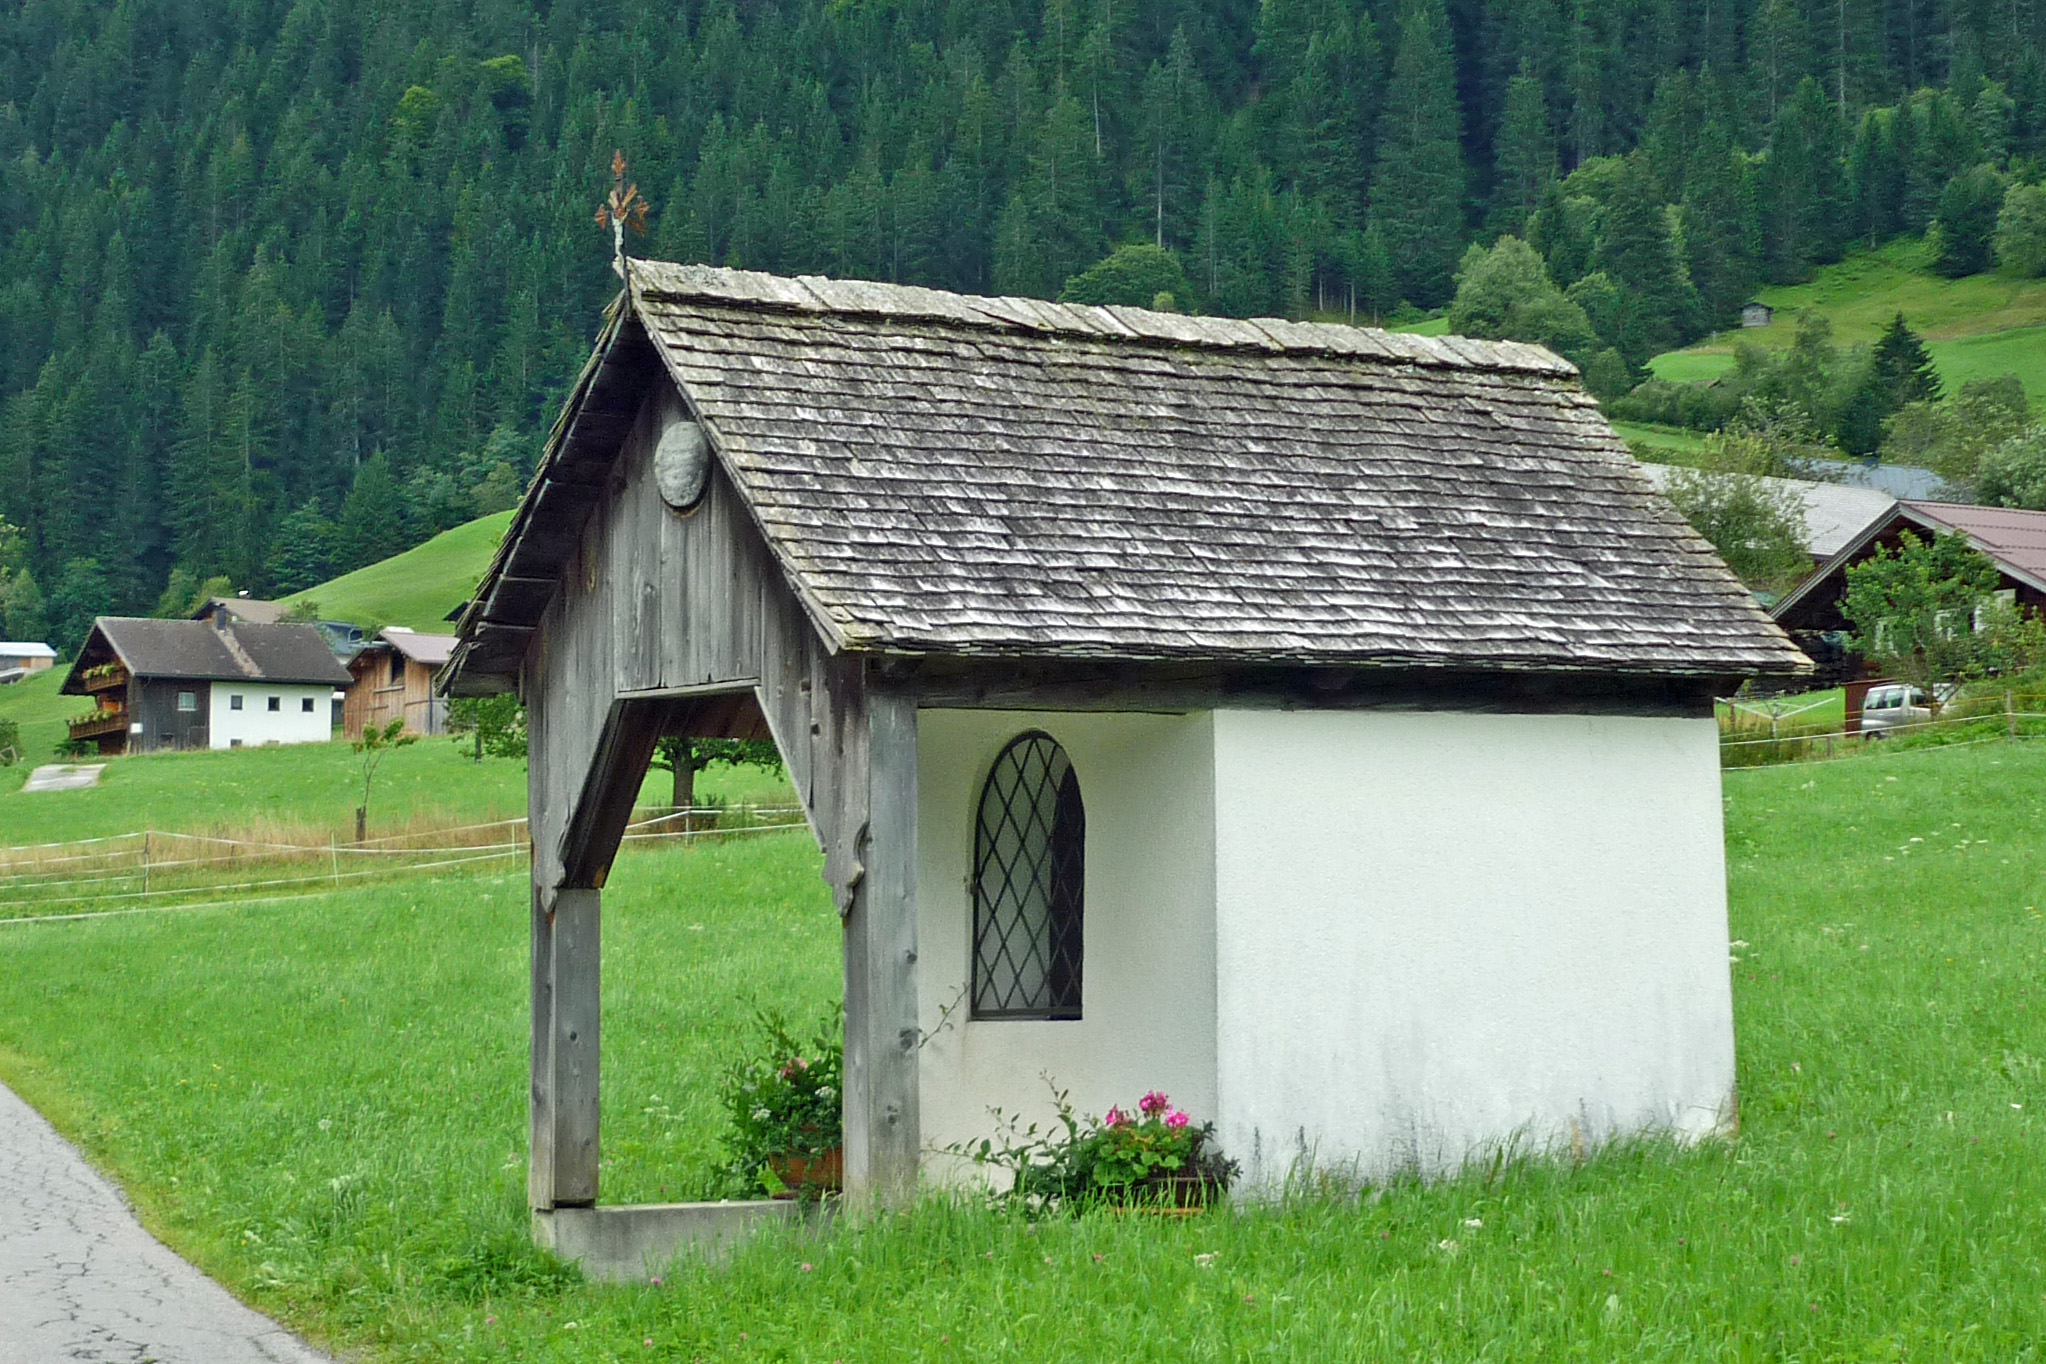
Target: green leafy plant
point(371, 749)
point(1152, 1154)
point(785, 1097)
point(1927, 613)
point(495, 725)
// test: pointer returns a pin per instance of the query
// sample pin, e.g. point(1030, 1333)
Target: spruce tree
point(1526, 154)
point(372, 519)
point(1903, 368)
point(1638, 253)
point(1417, 191)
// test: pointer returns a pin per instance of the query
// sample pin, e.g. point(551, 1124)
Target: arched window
point(1029, 879)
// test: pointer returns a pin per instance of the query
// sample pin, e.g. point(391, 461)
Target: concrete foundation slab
point(633, 1242)
point(63, 777)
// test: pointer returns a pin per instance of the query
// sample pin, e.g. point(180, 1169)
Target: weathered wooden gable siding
point(658, 604)
point(656, 611)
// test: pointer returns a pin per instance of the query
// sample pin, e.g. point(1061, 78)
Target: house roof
point(942, 474)
point(244, 608)
point(24, 649)
point(431, 650)
point(2015, 540)
point(1834, 513)
point(202, 652)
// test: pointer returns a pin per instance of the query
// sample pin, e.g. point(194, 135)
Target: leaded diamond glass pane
point(1029, 883)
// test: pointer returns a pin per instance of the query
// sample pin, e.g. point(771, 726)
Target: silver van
point(1893, 705)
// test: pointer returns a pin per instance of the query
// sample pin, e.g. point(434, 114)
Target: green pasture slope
point(36, 704)
point(417, 588)
point(1978, 327)
point(323, 1102)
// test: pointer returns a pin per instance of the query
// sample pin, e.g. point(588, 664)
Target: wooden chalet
point(161, 684)
point(393, 680)
point(1313, 722)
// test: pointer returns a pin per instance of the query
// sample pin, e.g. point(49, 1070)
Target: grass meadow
point(308, 791)
point(1978, 327)
point(416, 589)
point(322, 1102)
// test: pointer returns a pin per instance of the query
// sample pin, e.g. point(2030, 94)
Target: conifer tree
point(1639, 255)
point(1417, 190)
point(1526, 154)
point(1902, 368)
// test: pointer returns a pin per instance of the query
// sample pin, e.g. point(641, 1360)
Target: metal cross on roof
point(625, 207)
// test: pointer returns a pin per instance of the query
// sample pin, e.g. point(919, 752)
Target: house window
point(276, 704)
point(305, 705)
point(397, 667)
point(234, 703)
point(1029, 880)
point(188, 701)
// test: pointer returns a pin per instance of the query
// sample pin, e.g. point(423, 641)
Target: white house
point(215, 683)
point(1314, 723)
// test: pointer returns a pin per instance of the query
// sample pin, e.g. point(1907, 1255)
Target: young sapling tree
point(375, 745)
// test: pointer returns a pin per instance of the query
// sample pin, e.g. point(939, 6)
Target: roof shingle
point(941, 474)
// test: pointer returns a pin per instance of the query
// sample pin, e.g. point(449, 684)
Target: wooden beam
point(882, 1124)
point(604, 806)
point(567, 954)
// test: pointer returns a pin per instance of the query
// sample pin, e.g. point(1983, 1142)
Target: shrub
point(2014, 473)
point(1966, 223)
point(1757, 526)
point(1505, 292)
point(1701, 407)
point(1131, 277)
point(10, 741)
point(2021, 230)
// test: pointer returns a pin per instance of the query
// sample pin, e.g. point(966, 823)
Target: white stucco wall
point(256, 724)
point(1147, 1001)
point(1437, 931)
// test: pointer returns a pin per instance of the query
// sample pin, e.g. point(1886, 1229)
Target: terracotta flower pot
point(809, 1174)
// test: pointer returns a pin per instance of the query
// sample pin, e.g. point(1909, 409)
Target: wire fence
point(1968, 719)
point(160, 867)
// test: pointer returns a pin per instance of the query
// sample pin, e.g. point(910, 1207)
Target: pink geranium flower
point(1115, 1117)
point(1154, 1103)
point(1175, 1119)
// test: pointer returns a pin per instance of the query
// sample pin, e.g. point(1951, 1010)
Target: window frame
point(1053, 810)
point(234, 700)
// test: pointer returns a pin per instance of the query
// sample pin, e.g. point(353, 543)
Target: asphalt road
point(81, 1280)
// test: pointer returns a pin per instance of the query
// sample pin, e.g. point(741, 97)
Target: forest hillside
point(288, 287)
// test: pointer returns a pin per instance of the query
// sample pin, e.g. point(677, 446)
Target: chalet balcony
point(96, 681)
point(98, 723)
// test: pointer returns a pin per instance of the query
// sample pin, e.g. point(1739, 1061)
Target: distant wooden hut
point(393, 680)
point(1755, 313)
point(1315, 723)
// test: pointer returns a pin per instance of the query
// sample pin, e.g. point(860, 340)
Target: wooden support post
point(882, 1128)
point(567, 952)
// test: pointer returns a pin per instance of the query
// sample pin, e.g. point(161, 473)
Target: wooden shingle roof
point(946, 475)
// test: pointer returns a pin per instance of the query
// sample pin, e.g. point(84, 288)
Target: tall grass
point(324, 1103)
